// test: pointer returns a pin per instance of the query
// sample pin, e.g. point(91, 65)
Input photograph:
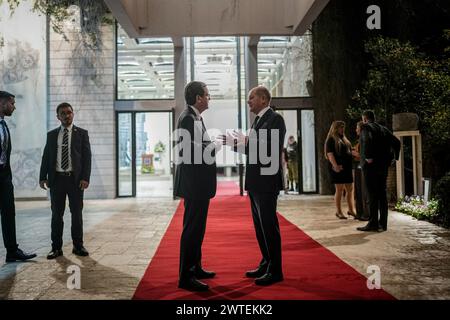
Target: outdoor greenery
point(402, 78)
point(92, 15)
point(416, 207)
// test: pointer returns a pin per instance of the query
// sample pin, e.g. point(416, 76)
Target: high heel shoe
point(351, 214)
point(340, 216)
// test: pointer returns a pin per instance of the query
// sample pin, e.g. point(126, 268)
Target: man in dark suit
point(7, 207)
point(65, 170)
point(263, 181)
point(195, 181)
point(379, 148)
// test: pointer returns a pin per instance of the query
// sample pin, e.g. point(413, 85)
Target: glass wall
point(285, 65)
point(125, 154)
point(145, 67)
point(215, 61)
point(308, 151)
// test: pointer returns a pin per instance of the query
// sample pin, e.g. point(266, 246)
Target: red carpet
point(230, 248)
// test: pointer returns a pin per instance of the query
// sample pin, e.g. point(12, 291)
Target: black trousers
point(65, 186)
point(361, 198)
point(375, 178)
point(264, 212)
point(194, 226)
point(8, 211)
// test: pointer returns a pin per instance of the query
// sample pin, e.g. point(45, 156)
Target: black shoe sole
point(205, 276)
point(19, 260)
point(253, 276)
point(80, 255)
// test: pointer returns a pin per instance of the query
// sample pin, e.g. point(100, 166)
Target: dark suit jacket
point(254, 180)
point(379, 144)
point(80, 156)
point(194, 181)
point(8, 152)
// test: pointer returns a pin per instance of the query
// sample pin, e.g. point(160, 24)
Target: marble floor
point(123, 234)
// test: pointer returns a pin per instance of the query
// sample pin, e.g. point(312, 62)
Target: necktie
point(4, 141)
point(203, 124)
point(255, 122)
point(65, 150)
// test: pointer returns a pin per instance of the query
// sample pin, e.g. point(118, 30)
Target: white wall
point(84, 78)
point(23, 68)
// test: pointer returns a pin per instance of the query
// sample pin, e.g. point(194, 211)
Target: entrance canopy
point(186, 18)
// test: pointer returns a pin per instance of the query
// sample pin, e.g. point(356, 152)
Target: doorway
point(301, 173)
point(144, 163)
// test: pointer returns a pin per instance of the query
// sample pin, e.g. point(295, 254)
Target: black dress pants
point(8, 210)
point(375, 178)
point(194, 226)
point(264, 212)
point(361, 199)
point(65, 186)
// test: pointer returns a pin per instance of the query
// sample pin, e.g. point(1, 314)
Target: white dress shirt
point(59, 153)
point(261, 113)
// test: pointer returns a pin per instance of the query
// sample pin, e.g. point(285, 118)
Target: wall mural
point(23, 73)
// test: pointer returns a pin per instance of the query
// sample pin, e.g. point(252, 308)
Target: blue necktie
point(4, 142)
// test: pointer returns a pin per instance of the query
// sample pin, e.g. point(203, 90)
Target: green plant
point(415, 206)
point(92, 15)
point(160, 147)
point(442, 193)
point(402, 78)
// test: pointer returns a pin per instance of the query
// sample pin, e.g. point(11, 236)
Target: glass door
point(153, 154)
point(125, 155)
point(144, 157)
point(299, 159)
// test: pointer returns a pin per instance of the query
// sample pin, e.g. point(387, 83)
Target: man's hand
point(84, 184)
point(369, 161)
point(338, 168)
point(233, 138)
point(43, 184)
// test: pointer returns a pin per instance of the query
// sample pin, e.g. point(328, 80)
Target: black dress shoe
point(55, 253)
point(19, 255)
point(268, 279)
point(192, 284)
point(381, 229)
point(80, 251)
point(367, 228)
point(203, 274)
point(258, 272)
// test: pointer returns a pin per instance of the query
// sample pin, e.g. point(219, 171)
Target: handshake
point(233, 138)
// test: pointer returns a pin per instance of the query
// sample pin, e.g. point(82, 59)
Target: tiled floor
point(123, 234)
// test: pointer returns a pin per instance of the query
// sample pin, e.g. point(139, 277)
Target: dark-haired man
point(379, 148)
point(195, 181)
point(65, 170)
point(7, 207)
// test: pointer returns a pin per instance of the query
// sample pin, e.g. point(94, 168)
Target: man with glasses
point(196, 183)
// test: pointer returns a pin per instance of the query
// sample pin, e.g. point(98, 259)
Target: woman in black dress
point(338, 151)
